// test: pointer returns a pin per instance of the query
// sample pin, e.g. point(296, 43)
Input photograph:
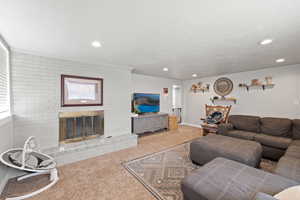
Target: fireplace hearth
point(82, 125)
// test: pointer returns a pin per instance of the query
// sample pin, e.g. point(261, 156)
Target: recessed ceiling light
point(96, 44)
point(280, 60)
point(194, 75)
point(266, 41)
point(165, 69)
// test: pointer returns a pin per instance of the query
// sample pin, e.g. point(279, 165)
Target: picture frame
point(81, 91)
point(165, 91)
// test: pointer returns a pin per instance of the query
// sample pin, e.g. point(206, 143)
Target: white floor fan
point(30, 159)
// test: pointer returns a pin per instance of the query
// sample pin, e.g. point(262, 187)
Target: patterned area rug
point(162, 172)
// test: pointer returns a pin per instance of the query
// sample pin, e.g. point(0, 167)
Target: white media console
point(149, 123)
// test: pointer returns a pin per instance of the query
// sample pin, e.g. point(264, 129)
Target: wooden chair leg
point(205, 132)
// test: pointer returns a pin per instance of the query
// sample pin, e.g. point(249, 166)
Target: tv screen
point(145, 103)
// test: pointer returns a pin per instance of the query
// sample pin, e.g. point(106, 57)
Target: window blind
point(4, 104)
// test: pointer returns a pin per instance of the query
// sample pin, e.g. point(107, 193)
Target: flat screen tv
point(145, 103)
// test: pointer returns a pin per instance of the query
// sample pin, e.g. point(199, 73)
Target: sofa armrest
point(263, 196)
point(224, 128)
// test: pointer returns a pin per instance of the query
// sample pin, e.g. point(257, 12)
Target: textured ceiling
point(207, 37)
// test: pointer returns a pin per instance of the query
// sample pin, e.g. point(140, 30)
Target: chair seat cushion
point(240, 134)
point(289, 167)
point(273, 141)
point(230, 180)
point(206, 125)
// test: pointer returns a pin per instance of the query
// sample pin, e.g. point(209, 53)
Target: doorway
point(177, 101)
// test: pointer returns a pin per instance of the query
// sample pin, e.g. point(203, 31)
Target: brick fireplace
point(82, 125)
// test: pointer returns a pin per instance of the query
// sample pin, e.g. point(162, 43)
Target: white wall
point(36, 97)
point(150, 84)
point(281, 101)
point(6, 126)
point(6, 135)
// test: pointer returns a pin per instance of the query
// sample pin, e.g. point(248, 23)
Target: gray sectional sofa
point(289, 165)
point(279, 137)
point(226, 179)
point(274, 134)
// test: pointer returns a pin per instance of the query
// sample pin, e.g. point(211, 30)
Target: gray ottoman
point(212, 146)
point(223, 179)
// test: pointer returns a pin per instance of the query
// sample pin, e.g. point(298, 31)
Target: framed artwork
point(166, 91)
point(81, 91)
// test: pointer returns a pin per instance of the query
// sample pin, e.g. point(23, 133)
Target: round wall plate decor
point(223, 86)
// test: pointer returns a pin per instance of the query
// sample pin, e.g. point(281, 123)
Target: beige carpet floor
point(103, 177)
point(161, 173)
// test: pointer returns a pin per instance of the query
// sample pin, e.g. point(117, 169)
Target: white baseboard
point(193, 125)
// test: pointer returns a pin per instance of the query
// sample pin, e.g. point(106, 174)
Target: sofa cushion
point(289, 167)
point(276, 126)
point(230, 180)
point(272, 152)
point(296, 129)
point(293, 151)
point(272, 141)
point(224, 128)
point(296, 143)
point(245, 123)
point(240, 134)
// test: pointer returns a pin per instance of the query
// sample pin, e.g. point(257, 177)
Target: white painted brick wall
point(6, 130)
point(36, 97)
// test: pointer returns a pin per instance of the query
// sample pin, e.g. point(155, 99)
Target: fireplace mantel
point(79, 114)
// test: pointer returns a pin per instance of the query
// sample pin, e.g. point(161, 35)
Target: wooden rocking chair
point(209, 127)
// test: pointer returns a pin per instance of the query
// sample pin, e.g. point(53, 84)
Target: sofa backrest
point(296, 129)
point(281, 127)
point(245, 122)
